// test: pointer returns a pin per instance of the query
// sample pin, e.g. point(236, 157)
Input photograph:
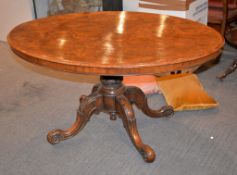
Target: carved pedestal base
point(112, 97)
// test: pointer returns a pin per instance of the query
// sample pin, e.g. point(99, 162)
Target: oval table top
point(115, 43)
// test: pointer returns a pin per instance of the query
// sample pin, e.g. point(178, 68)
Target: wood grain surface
point(115, 43)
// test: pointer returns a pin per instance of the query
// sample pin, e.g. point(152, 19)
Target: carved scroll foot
point(88, 105)
point(55, 136)
point(136, 96)
point(126, 113)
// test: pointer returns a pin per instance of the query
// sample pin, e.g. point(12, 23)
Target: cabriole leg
point(88, 105)
point(126, 113)
point(136, 96)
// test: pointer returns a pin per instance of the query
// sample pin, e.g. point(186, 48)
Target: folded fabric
point(185, 92)
point(147, 83)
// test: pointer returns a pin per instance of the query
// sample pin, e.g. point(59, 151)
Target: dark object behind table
point(112, 5)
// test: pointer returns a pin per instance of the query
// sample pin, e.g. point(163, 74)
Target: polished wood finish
point(115, 43)
point(112, 97)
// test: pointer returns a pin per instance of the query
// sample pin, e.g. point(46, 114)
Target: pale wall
point(12, 13)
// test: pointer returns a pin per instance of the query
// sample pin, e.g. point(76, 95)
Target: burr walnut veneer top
point(115, 43)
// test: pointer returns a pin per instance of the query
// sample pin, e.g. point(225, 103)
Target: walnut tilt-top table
point(113, 45)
